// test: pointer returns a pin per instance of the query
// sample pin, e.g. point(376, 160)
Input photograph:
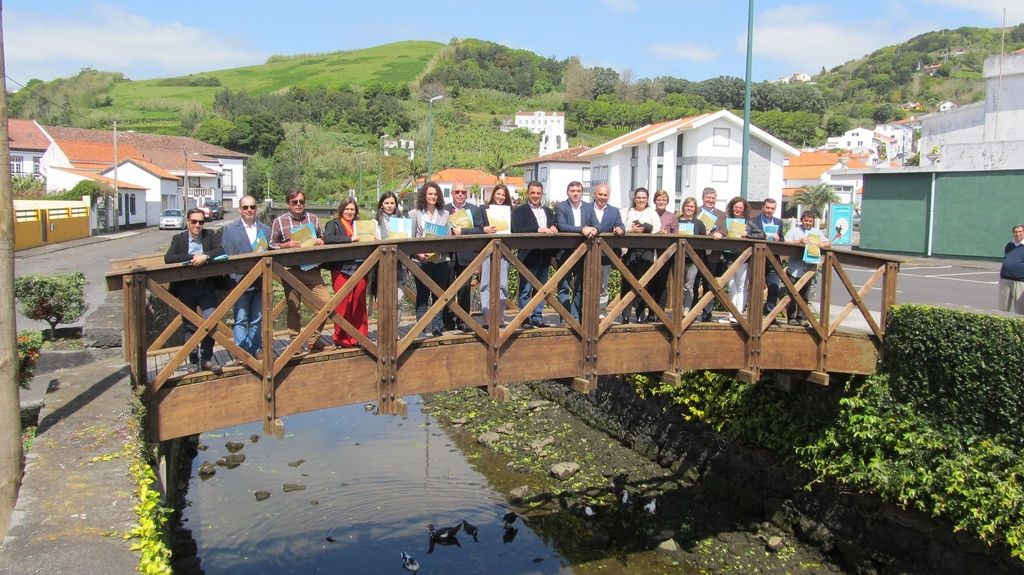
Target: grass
point(387, 64)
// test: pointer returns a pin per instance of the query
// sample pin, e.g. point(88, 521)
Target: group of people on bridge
point(197, 246)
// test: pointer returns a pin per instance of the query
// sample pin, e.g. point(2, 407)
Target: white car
point(172, 220)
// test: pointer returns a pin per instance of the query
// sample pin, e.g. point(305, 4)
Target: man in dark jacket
point(460, 260)
point(195, 247)
point(1011, 274)
point(531, 218)
point(758, 224)
point(573, 216)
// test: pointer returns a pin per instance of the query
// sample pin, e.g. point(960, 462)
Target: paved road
point(959, 285)
point(92, 256)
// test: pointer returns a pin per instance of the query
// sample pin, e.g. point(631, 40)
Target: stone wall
point(861, 531)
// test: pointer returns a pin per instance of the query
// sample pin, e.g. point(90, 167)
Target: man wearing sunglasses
point(242, 236)
point(281, 238)
point(196, 246)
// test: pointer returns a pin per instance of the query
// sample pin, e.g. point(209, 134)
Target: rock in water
point(518, 494)
point(564, 470)
point(296, 463)
point(668, 546)
point(234, 446)
point(488, 439)
point(289, 487)
point(262, 495)
point(206, 470)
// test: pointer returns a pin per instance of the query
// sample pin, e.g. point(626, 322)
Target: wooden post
point(892, 270)
point(495, 315)
point(388, 315)
point(590, 317)
point(126, 315)
point(676, 296)
point(271, 424)
point(755, 309)
point(824, 309)
point(137, 332)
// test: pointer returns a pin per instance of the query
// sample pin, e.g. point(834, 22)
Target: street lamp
point(430, 133)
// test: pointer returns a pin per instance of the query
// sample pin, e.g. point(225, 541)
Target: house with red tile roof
point(480, 183)
point(27, 143)
point(556, 170)
point(686, 155)
point(158, 163)
point(815, 167)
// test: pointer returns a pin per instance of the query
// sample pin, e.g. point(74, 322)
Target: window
point(36, 164)
point(531, 174)
point(719, 173)
point(679, 181)
point(16, 165)
point(632, 177)
point(634, 153)
point(661, 149)
point(660, 176)
point(585, 176)
point(131, 204)
point(679, 146)
point(544, 174)
point(721, 138)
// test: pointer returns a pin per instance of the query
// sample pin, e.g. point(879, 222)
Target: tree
point(577, 83)
point(816, 197)
point(837, 125)
point(55, 299)
point(10, 420)
point(216, 131)
point(884, 113)
point(260, 133)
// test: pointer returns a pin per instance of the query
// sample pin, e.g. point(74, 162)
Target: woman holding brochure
point(387, 209)
point(690, 225)
point(640, 218)
point(430, 219)
point(500, 207)
point(352, 307)
point(736, 224)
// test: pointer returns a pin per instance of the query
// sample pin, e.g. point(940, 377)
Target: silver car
point(172, 220)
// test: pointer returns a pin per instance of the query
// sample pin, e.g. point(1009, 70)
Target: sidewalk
point(61, 246)
point(72, 511)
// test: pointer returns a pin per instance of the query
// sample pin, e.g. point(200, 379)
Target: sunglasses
point(458, 191)
point(196, 222)
point(298, 202)
point(252, 207)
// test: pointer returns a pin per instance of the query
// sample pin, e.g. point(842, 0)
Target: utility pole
point(117, 194)
point(745, 167)
point(184, 187)
point(10, 417)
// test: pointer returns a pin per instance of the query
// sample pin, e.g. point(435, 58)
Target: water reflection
point(372, 485)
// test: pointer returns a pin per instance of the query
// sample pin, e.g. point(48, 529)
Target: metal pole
point(117, 194)
point(184, 187)
point(744, 176)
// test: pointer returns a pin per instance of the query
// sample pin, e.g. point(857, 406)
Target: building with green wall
point(930, 212)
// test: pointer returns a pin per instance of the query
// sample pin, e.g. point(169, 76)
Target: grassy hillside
point(157, 103)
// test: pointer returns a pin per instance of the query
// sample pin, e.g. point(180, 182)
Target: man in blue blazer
point(608, 220)
point(757, 225)
point(533, 217)
point(573, 216)
point(196, 246)
point(240, 237)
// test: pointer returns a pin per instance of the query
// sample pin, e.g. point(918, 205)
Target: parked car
point(172, 220)
point(214, 210)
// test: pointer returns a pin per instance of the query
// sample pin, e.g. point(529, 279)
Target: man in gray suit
point(242, 236)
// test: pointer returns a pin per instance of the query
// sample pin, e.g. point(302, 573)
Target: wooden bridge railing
point(396, 361)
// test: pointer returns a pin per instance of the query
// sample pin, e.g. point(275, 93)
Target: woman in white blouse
point(430, 208)
point(639, 218)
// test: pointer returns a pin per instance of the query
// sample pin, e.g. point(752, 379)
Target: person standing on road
point(1011, 274)
point(240, 237)
point(196, 247)
point(281, 238)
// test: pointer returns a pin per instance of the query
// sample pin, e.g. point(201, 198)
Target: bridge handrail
point(142, 277)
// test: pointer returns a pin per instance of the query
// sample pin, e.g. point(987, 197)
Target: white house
point(902, 135)
point(27, 143)
point(983, 135)
point(161, 186)
point(947, 106)
point(556, 170)
point(536, 122)
point(862, 141)
point(815, 167)
point(686, 155)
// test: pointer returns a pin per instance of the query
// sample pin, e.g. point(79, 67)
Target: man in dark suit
point(607, 219)
point(531, 218)
point(709, 214)
point(196, 246)
point(461, 260)
point(573, 216)
point(242, 236)
point(757, 225)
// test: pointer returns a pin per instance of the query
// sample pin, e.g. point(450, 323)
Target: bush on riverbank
point(939, 433)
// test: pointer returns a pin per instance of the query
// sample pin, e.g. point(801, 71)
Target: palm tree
point(816, 197)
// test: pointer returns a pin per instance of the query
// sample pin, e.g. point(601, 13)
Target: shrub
point(55, 299)
point(962, 368)
point(29, 344)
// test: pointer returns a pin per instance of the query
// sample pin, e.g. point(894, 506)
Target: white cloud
point(687, 51)
point(805, 38)
point(624, 6)
point(994, 8)
point(115, 41)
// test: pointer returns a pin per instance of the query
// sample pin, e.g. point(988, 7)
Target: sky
point(692, 39)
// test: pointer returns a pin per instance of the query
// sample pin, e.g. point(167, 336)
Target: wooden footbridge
point(396, 361)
